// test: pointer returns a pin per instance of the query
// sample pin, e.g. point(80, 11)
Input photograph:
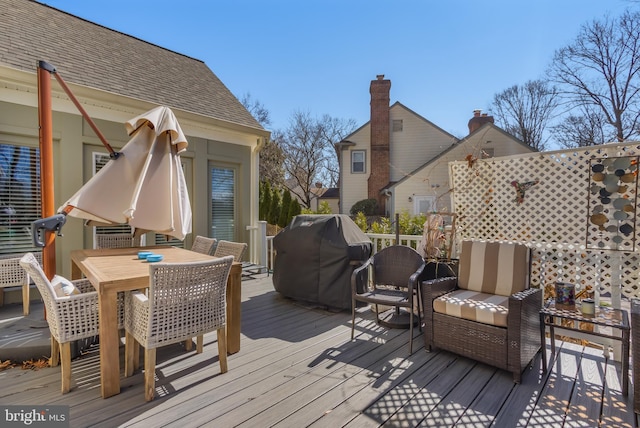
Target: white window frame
point(418, 201)
point(364, 161)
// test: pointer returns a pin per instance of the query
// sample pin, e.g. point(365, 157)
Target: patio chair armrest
point(523, 327)
point(77, 310)
point(84, 285)
point(415, 277)
point(360, 277)
point(434, 288)
point(139, 297)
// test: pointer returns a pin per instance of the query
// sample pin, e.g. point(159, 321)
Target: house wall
point(417, 143)
point(74, 141)
point(353, 187)
point(433, 179)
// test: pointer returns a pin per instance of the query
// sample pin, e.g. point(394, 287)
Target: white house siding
point(416, 144)
point(433, 178)
point(356, 189)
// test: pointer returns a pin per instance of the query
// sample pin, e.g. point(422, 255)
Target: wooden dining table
point(119, 269)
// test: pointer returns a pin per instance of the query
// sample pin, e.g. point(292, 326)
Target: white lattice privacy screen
point(579, 218)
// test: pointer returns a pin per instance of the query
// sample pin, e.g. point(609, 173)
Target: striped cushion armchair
point(488, 313)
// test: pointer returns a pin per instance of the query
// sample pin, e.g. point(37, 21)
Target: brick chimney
point(380, 135)
point(478, 120)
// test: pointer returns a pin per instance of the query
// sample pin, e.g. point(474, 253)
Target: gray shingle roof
point(89, 54)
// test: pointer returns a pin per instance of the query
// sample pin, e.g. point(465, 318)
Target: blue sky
point(444, 58)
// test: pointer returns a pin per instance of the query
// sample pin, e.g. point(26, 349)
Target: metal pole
point(46, 163)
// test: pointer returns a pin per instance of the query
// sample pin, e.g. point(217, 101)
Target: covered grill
point(315, 256)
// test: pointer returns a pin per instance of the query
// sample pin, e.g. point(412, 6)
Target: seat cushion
point(494, 267)
point(481, 307)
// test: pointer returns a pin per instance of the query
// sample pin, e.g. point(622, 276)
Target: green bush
point(366, 206)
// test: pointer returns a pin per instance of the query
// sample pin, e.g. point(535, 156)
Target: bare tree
point(257, 110)
point(525, 111)
point(271, 155)
point(601, 69)
point(586, 129)
point(310, 155)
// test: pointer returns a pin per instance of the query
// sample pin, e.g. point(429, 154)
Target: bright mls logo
point(34, 416)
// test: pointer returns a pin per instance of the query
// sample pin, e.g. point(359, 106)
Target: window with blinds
point(223, 203)
point(19, 197)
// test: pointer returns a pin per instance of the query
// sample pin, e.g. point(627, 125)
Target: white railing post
point(262, 243)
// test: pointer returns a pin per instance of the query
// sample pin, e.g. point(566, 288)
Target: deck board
point(298, 367)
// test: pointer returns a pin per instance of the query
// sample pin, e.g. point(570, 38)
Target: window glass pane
point(223, 206)
point(423, 204)
point(357, 161)
point(19, 197)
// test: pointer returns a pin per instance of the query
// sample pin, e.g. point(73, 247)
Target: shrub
point(366, 206)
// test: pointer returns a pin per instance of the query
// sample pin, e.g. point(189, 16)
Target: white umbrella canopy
point(144, 186)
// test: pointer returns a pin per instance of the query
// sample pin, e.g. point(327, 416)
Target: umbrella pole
point(46, 163)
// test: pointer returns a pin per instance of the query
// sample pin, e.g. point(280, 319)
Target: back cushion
point(494, 267)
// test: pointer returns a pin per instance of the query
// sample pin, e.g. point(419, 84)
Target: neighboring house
point(330, 195)
point(401, 159)
point(116, 77)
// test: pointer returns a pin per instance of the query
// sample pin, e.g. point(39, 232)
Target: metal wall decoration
point(612, 202)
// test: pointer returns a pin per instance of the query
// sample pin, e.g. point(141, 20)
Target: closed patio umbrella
point(144, 186)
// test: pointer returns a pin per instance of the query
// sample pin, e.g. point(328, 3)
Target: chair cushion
point(481, 307)
point(62, 287)
point(494, 267)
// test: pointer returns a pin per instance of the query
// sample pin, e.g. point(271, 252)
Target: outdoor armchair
point(13, 275)
point(72, 313)
point(395, 273)
point(204, 245)
point(488, 313)
point(228, 248)
point(184, 300)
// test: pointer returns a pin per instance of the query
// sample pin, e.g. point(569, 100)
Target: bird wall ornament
point(521, 188)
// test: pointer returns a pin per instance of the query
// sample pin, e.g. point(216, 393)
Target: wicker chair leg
point(65, 357)
point(149, 374)
point(377, 315)
point(199, 344)
point(188, 344)
point(25, 299)
point(55, 353)
point(129, 354)
point(222, 349)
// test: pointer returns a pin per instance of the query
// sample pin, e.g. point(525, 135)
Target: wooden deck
point(297, 367)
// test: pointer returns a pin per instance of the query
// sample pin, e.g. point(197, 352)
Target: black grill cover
point(315, 256)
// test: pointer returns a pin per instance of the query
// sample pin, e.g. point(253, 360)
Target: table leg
point(234, 307)
point(552, 333)
point(543, 343)
point(109, 344)
point(625, 361)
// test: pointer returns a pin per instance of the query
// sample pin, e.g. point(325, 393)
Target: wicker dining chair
point(488, 313)
point(228, 248)
point(13, 275)
point(184, 300)
point(116, 240)
point(70, 317)
point(204, 245)
point(395, 273)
